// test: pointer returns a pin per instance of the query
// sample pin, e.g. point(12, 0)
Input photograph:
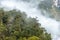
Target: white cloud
point(51, 25)
point(58, 39)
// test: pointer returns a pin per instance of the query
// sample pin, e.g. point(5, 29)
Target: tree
point(15, 25)
point(33, 38)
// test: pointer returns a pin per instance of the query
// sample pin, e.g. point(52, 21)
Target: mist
point(31, 9)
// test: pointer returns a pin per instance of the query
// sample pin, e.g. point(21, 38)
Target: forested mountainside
point(15, 25)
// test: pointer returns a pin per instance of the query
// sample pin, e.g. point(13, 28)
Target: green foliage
point(15, 25)
point(22, 38)
point(33, 38)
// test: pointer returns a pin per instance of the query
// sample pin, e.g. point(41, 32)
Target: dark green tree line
point(15, 25)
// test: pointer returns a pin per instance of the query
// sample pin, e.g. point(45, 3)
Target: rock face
point(54, 13)
point(56, 3)
point(56, 16)
point(52, 8)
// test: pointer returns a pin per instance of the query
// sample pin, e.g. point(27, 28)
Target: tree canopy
point(15, 25)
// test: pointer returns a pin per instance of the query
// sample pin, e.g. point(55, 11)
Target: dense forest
point(15, 25)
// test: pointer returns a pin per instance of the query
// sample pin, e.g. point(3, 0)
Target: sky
point(51, 25)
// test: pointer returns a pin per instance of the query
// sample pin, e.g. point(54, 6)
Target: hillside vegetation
point(15, 25)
